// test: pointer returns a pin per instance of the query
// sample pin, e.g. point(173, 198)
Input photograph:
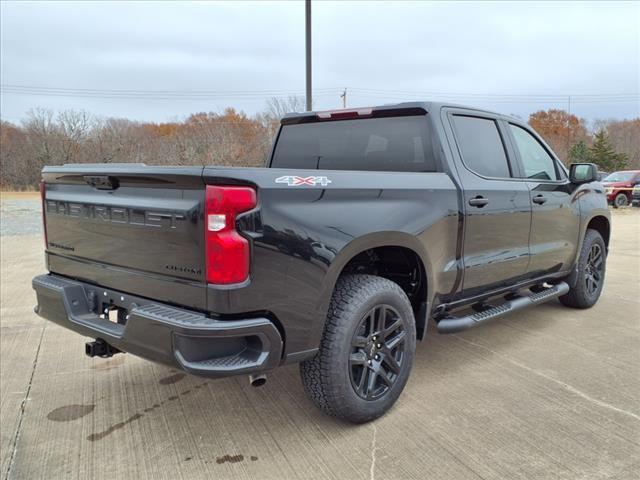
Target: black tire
point(621, 200)
point(590, 273)
point(349, 358)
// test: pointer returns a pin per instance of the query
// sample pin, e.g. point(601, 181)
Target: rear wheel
point(621, 200)
point(590, 273)
point(366, 350)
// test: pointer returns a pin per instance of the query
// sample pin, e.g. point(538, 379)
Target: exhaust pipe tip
point(257, 380)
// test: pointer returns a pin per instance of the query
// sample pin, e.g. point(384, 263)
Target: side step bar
point(452, 324)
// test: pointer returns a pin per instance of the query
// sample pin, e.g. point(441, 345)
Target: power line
point(275, 92)
point(554, 100)
point(492, 95)
point(500, 98)
point(163, 92)
point(154, 95)
point(388, 95)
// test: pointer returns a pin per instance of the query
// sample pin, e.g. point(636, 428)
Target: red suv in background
point(619, 186)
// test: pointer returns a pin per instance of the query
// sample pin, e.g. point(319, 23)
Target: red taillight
point(227, 252)
point(44, 216)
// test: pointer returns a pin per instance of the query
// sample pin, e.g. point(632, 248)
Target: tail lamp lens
point(227, 252)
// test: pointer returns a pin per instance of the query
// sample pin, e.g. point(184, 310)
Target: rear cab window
point(388, 144)
point(481, 146)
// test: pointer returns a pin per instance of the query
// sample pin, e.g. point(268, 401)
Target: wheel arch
point(390, 255)
point(601, 224)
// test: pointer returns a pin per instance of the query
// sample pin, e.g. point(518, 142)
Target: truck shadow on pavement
point(438, 353)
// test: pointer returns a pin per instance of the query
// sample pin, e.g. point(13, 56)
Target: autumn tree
point(559, 129)
point(15, 171)
point(604, 154)
point(230, 138)
point(234, 138)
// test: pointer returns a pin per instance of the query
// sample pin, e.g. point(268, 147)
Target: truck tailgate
point(129, 227)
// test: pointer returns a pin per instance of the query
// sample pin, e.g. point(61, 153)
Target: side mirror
point(583, 173)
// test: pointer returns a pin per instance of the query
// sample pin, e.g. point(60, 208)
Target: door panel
point(497, 210)
point(555, 226)
point(555, 221)
point(496, 242)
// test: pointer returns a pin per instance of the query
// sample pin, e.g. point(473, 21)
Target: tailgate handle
point(102, 182)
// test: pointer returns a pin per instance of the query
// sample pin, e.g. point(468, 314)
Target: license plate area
point(112, 308)
point(114, 314)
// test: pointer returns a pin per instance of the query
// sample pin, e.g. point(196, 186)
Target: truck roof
point(427, 106)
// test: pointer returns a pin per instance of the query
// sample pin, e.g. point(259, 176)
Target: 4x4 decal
point(294, 181)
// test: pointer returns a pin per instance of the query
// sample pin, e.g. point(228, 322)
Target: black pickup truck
point(366, 224)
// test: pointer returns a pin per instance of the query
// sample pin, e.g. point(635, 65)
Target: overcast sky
point(509, 57)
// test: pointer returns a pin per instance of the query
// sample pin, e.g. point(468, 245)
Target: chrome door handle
point(478, 201)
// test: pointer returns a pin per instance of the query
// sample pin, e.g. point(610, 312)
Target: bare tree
point(279, 107)
point(73, 129)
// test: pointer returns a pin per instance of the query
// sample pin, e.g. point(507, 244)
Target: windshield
point(620, 177)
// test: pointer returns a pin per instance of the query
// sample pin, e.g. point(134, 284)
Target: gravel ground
point(20, 214)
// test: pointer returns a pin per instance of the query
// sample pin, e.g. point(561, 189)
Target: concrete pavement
point(545, 393)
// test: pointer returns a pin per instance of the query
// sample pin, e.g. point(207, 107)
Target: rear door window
point(481, 146)
point(390, 144)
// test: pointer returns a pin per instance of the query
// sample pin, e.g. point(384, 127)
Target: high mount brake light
point(44, 213)
point(226, 251)
point(343, 114)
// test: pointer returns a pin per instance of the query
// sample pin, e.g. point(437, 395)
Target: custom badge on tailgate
point(294, 181)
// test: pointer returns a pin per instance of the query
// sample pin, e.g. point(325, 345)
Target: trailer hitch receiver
point(100, 348)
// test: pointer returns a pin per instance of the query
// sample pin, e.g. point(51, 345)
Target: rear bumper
point(180, 338)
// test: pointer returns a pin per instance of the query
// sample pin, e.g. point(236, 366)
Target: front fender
point(592, 202)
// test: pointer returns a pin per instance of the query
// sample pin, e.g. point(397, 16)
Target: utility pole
point(568, 126)
point(307, 5)
point(343, 96)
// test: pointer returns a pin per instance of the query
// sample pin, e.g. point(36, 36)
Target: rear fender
point(352, 249)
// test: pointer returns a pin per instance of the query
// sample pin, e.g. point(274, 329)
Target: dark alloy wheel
point(593, 272)
point(377, 352)
point(589, 273)
point(366, 351)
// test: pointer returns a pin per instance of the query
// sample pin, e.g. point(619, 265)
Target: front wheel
point(590, 273)
point(366, 351)
point(621, 200)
